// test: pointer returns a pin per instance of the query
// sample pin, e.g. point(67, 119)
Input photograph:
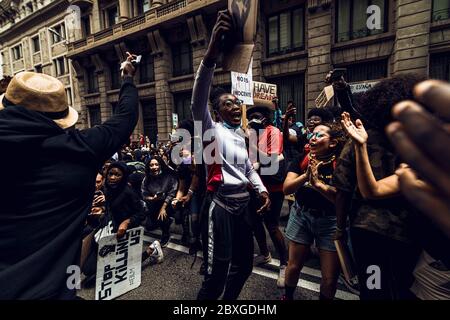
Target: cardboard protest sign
point(245, 15)
point(263, 94)
point(241, 85)
point(325, 96)
point(119, 264)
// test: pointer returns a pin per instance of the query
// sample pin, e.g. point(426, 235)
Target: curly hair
point(338, 134)
point(215, 95)
point(376, 104)
point(323, 113)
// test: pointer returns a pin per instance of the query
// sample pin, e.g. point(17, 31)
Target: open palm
point(356, 131)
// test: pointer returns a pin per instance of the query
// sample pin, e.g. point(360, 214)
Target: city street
point(174, 279)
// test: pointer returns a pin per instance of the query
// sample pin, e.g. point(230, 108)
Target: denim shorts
point(305, 227)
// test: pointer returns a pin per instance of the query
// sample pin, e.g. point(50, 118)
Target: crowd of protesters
point(371, 172)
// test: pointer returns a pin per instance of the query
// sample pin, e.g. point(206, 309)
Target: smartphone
point(137, 60)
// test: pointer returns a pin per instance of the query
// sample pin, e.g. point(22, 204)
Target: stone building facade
point(34, 37)
point(298, 42)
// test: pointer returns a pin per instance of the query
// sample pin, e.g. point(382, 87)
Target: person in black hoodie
point(45, 201)
point(123, 205)
point(124, 210)
point(158, 190)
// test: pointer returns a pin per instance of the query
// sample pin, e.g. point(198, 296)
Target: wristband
point(190, 192)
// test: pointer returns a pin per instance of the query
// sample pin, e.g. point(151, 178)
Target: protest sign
point(241, 85)
point(362, 86)
point(245, 14)
point(325, 96)
point(263, 94)
point(119, 264)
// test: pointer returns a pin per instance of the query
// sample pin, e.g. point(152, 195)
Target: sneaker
point(260, 259)
point(281, 276)
point(352, 286)
point(157, 254)
point(164, 241)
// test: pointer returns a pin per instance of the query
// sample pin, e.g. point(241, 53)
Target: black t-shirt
point(306, 195)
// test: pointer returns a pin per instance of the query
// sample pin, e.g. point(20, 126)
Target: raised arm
point(203, 78)
point(105, 139)
point(369, 187)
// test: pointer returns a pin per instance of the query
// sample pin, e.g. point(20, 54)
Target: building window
point(441, 10)
point(114, 107)
point(92, 80)
point(69, 96)
point(150, 120)
point(372, 70)
point(38, 69)
point(58, 33)
point(36, 44)
point(182, 58)
point(95, 117)
point(59, 65)
point(440, 66)
point(114, 71)
point(351, 19)
point(146, 69)
point(111, 16)
point(291, 88)
point(286, 32)
point(86, 26)
point(17, 52)
point(182, 105)
point(143, 6)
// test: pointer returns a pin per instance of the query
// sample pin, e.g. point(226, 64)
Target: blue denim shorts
point(305, 227)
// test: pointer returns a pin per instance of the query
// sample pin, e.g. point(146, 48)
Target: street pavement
point(174, 279)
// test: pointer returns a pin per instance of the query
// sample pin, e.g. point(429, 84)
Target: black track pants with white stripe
point(229, 241)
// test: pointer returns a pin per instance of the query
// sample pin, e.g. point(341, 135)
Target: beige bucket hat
point(42, 93)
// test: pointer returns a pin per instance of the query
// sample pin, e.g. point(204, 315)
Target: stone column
point(318, 35)
point(413, 20)
point(96, 17)
point(163, 71)
point(124, 12)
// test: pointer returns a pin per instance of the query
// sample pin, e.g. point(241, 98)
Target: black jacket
point(46, 191)
point(122, 202)
point(165, 184)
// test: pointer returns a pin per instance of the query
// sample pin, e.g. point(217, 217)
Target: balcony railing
point(171, 7)
point(103, 34)
point(441, 15)
point(133, 22)
point(143, 19)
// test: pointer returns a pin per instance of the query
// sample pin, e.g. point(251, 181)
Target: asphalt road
point(174, 279)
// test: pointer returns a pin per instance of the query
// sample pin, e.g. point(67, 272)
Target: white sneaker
point(281, 277)
point(260, 259)
point(157, 254)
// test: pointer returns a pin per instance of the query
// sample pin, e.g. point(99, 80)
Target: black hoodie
point(46, 190)
point(122, 202)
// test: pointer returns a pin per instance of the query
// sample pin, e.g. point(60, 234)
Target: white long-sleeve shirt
point(231, 169)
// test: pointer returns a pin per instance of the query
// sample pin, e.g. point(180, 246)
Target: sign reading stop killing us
point(119, 264)
point(242, 85)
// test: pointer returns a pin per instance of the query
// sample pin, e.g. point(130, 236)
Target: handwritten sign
point(119, 264)
point(263, 93)
point(241, 85)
